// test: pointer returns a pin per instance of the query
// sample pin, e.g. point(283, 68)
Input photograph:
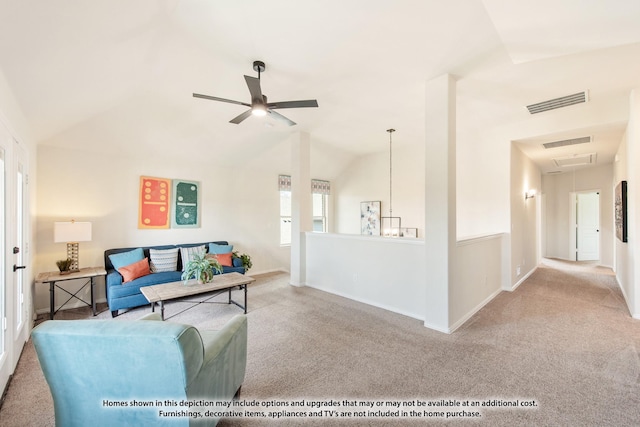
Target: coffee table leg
point(245, 299)
point(162, 310)
point(153, 307)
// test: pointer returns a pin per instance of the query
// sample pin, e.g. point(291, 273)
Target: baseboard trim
point(521, 281)
point(626, 299)
point(473, 311)
point(6, 389)
point(367, 302)
point(437, 328)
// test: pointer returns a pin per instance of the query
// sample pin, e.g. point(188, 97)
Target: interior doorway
point(585, 239)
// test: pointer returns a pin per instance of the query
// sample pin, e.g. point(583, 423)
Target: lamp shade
point(73, 231)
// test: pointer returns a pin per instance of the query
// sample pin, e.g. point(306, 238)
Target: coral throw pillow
point(135, 270)
point(225, 259)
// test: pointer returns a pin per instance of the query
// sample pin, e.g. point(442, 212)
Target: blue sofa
point(96, 369)
point(122, 296)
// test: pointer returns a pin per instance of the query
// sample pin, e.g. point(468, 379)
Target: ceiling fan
point(259, 105)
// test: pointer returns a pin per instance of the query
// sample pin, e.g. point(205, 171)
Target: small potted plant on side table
point(64, 265)
point(201, 267)
point(246, 260)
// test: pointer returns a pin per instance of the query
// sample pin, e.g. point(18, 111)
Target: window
point(285, 217)
point(284, 184)
point(320, 198)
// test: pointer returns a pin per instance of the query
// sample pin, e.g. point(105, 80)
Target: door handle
point(18, 267)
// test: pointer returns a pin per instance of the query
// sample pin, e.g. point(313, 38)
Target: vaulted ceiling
point(119, 74)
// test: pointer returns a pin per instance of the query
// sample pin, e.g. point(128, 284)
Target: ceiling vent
point(565, 142)
point(576, 160)
point(552, 104)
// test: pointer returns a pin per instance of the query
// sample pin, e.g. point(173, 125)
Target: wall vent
point(576, 160)
point(565, 142)
point(552, 104)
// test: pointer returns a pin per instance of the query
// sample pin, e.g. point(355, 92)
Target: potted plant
point(63, 265)
point(246, 260)
point(201, 267)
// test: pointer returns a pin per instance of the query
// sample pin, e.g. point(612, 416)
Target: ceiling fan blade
point(293, 104)
point(254, 87)
point(237, 120)
point(215, 98)
point(281, 117)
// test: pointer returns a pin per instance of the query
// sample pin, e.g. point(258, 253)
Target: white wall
point(558, 212)
point(482, 190)
point(623, 263)
point(389, 273)
point(525, 175)
point(383, 272)
point(625, 168)
point(477, 277)
point(367, 179)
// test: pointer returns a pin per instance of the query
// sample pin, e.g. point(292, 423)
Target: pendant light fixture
point(391, 225)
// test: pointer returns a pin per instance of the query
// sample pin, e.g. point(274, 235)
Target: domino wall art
point(165, 203)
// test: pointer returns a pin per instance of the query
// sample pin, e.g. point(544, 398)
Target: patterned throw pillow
point(187, 253)
point(163, 260)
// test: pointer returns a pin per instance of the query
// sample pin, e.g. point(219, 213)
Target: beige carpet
point(564, 338)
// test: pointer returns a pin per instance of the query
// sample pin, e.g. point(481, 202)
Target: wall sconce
point(71, 233)
point(530, 194)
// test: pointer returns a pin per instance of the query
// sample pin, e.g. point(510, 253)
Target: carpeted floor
point(563, 340)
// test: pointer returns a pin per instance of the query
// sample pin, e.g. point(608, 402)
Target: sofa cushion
point(224, 259)
point(163, 260)
point(133, 287)
point(135, 270)
point(232, 270)
point(123, 259)
point(188, 252)
point(219, 249)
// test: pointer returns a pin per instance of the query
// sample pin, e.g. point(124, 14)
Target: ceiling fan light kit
point(259, 105)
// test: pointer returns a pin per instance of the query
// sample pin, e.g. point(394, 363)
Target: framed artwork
point(370, 218)
point(153, 202)
point(186, 204)
point(621, 211)
point(409, 233)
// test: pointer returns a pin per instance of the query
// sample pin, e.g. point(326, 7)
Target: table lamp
point(71, 233)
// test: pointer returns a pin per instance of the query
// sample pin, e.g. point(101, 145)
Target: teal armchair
point(140, 372)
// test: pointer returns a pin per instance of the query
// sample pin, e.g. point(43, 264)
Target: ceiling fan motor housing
point(258, 66)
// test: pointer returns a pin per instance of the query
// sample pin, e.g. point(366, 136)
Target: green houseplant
point(246, 260)
point(201, 267)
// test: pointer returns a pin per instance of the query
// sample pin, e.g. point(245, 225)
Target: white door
point(588, 226)
point(14, 294)
point(5, 368)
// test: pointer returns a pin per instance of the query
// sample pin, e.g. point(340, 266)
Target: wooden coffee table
point(221, 282)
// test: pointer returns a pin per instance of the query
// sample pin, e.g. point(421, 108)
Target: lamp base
point(72, 254)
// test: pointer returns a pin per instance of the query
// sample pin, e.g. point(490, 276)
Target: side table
point(53, 277)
